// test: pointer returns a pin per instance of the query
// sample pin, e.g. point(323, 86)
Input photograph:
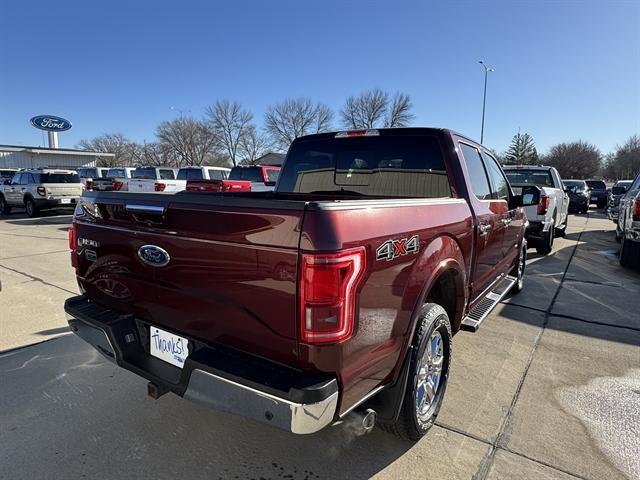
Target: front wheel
point(428, 375)
point(4, 206)
point(518, 270)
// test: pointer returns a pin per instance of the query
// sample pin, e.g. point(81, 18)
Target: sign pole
point(53, 139)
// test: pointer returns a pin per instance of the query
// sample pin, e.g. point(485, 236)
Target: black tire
point(31, 207)
point(518, 270)
point(629, 253)
point(561, 232)
point(4, 206)
point(618, 234)
point(433, 319)
point(545, 245)
point(584, 210)
point(601, 205)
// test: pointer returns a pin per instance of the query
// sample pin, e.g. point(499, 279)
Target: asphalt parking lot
point(549, 388)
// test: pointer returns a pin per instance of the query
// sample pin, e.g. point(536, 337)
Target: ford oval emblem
point(153, 255)
point(51, 123)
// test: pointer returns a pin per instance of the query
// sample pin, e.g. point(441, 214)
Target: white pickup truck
point(548, 219)
point(116, 178)
point(155, 179)
point(172, 180)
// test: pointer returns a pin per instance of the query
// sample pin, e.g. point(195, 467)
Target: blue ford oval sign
point(51, 123)
point(153, 255)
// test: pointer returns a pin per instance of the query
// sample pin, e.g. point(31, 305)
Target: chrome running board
point(472, 322)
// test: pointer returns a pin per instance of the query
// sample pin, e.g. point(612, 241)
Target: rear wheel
point(629, 253)
point(545, 245)
point(618, 234)
point(4, 206)
point(30, 206)
point(428, 375)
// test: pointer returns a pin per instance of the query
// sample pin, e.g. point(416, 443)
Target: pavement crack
point(37, 279)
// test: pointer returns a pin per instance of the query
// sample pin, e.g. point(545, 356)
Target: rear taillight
point(42, 191)
point(117, 185)
point(543, 204)
point(636, 209)
point(89, 184)
point(73, 245)
point(159, 187)
point(328, 284)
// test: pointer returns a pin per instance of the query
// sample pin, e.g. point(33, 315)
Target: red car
point(340, 290)
point(262, 177)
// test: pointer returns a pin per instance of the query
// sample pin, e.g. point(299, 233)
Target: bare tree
point(230, 123)
point(399, 114)
point(124, 150)
point(191, 141)
point(253, 145)
point(624, 163)
point(374, 108)
point(294, 118)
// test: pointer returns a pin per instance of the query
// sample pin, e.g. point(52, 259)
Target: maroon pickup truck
point(338, 291)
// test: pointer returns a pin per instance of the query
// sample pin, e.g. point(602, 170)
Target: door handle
point(484, 229)
point(507, 221)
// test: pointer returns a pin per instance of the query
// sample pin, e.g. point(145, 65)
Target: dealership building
point(14, 156)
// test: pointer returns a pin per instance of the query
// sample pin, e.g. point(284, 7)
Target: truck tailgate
point(230, 276)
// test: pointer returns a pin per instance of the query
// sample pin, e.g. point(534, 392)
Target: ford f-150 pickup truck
point(340, 290)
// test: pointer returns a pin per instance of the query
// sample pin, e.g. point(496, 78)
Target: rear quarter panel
point(390, 290)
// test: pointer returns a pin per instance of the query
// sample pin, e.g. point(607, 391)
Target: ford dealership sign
point(51, 123)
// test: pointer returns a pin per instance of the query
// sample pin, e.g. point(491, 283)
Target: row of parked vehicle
point(57, 188)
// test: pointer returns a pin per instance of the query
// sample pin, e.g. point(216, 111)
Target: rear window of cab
point(394, 166)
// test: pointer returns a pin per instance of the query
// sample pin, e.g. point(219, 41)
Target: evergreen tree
point(522, 150)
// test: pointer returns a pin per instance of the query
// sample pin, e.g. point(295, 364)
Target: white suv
point(41, 189)
point(549, 218)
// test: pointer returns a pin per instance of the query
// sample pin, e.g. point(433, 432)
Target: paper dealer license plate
point(168, 347)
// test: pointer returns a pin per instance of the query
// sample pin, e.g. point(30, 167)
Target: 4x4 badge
point(395, 248)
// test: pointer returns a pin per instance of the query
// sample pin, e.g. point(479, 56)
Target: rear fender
point(441, 255)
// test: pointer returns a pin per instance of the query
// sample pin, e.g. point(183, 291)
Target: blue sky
point(565, 70)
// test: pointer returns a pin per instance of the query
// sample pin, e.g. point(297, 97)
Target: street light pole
point(484, 97)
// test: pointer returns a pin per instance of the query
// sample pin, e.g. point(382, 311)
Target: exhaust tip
point(369, 420)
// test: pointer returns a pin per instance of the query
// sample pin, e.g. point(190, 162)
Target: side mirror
point(530, 195)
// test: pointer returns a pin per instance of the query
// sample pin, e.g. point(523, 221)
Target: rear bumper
point(613, 213)
point(56, 202)
point(217, 377)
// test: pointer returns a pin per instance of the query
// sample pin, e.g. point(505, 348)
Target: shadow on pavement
point(45, 218)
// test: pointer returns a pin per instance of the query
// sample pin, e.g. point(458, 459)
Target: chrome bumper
point(225, 395)
point(302, 403)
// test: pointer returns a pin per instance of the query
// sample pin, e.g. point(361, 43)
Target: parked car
point(262, 177)
point(615, 194)
point(341, 290)
point(116, 178)
point(549, 218)
point(578, 191)
point(7, 173)
point(155, 179)
point(41, 189)
point(628, 229)
point(597, 193)
point(89, 174)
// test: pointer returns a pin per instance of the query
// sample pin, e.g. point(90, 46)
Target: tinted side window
point(16, 179)
point(498, 181)
point(251, 174)
point(167, 174)
point(477, 172)
point(217, 174)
